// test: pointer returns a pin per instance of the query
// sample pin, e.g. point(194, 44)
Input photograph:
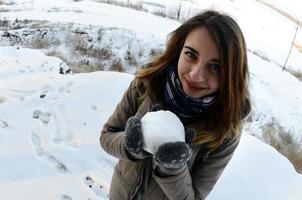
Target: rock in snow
point(161, 127)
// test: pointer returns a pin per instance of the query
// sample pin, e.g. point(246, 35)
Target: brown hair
point(233, 93)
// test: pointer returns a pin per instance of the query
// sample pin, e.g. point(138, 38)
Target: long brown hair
point(233, 92)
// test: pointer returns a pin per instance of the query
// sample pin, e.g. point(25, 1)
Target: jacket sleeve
point(204, 175)
point(112, 134)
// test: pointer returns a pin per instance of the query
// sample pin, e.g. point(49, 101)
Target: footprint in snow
point(93, 107)
point(45, 90)
point(98, 189)
point(62, 134)
point(43, 93)
point(29, 69)
point(3, 99)
point(37, 144)
point(45, 156)
point(66, 197)
point(66, 88)
point(56, 164)
point(21, 94)
point(44, 117)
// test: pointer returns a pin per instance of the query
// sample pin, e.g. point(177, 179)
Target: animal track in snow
point(97, 188)
point(43, 155)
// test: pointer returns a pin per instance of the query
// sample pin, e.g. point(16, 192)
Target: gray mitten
point(171, 158)
point(134, 140)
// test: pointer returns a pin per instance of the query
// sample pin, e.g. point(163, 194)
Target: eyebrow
point(196, 52)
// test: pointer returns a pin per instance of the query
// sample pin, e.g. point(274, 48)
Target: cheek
point(215, 83)
point(181, 66)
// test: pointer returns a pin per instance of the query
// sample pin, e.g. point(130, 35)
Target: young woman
point(202, 77)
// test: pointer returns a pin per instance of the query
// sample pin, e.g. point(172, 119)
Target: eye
point(190, 55)
point(214, 67)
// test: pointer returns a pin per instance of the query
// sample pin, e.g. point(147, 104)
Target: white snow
point(161, 127)
point(50, 123)
point(257, 171)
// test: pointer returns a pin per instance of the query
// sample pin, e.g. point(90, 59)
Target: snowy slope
point(257, 171)
point(89, 12)
point(50, 144)
point(292, 7)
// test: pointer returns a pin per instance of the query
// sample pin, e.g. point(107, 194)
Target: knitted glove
point(171, 158)
point(134, 140)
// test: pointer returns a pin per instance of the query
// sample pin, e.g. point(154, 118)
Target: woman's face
point(199, 64)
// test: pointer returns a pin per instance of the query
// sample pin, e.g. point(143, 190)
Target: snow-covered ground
point(50, 122)
point(291, 7)
point(49, 129)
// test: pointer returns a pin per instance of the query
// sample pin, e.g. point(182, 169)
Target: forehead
point(202, 41)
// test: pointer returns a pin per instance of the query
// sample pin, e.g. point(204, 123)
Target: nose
point(198, 73)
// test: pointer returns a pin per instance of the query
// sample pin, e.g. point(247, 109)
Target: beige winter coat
point(130, 177)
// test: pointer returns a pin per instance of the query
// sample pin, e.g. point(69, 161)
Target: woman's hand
point(134, 140)
point(171, 158)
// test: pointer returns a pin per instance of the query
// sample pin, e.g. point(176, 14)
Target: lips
point(193, 86)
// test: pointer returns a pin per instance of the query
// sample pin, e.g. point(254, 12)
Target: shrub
point(135, 6)
point(284, 142)
point(297, 74)
point(131, 58)
point(155, 52)
point(298, 46)
point(4, 23)
point(117, 65)
point(161, 13)
point(39, 43)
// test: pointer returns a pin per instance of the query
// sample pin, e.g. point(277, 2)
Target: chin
point(194, 96)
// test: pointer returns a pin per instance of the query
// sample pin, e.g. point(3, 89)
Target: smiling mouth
point(192, 86)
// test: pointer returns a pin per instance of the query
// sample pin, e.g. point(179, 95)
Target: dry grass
point(39, 43)
point(161, 13)
point(84, 67)
point(155, 52)
point(284, 142)
point(298, 46)
point(4, 23)
point(117, 65)
point(297, 74)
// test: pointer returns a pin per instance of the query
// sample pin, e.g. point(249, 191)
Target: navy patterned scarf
point(185, 107)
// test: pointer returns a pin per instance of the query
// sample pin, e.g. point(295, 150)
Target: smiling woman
point(201, 77)
point(198, 65)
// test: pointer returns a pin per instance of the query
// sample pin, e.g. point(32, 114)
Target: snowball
point(161, 127)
